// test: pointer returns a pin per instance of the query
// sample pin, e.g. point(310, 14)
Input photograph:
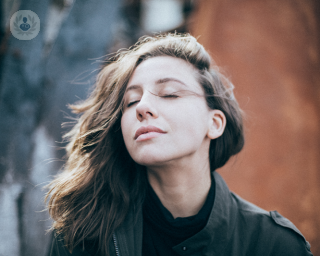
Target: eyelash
point(132, 103)
point(166, 96)
point(169, 96)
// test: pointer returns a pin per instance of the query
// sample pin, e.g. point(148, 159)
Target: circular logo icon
point(24, 25)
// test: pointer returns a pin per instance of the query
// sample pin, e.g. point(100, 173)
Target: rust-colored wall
point(270, 50)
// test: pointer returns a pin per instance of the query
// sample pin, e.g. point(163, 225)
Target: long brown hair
point(100, 182)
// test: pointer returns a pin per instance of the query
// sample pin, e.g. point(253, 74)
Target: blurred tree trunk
point(271, 50)
point(20, 96)
point(36, 85)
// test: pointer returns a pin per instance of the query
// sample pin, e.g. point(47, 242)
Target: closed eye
point(169, 96)
point(166, 96)
point(132, 103)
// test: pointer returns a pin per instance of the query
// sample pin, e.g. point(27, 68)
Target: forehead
point(163, 67)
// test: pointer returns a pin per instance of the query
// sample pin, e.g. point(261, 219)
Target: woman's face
point(166, 117)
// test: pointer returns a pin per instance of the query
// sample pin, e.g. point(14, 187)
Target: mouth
point(146, 130)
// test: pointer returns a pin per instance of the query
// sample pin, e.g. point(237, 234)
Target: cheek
point(125, 125)
point(192, 117)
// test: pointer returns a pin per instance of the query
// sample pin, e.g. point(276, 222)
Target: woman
point(140, 177)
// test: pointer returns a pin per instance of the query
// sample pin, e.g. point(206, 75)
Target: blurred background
point(269, 49)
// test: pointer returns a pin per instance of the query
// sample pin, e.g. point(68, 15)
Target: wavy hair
point(100, 182)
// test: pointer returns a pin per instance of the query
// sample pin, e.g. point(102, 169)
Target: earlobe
point(217, 124)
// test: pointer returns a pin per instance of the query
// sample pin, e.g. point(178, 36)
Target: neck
point(182, 190)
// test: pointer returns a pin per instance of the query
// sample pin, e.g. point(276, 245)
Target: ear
point(217, 124)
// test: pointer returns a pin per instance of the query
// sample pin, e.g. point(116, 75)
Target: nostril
point(145, 110)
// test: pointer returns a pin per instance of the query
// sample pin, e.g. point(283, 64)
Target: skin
point(163, 92)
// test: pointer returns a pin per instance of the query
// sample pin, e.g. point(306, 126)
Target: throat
point(183, 197)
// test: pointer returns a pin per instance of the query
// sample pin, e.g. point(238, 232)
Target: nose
point(145, 109)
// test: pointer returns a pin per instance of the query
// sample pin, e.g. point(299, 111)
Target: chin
point(151, 159)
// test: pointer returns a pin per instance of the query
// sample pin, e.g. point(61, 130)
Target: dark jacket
point(235, 228)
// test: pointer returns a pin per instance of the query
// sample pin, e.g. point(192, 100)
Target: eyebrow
point(169, 79)
point(160, 81)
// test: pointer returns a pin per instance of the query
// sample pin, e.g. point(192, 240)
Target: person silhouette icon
point(25, 26)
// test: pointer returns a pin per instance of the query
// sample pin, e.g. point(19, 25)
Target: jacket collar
point(220, 226)
point(210, 240)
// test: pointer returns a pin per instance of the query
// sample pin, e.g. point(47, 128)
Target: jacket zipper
point(115, 242)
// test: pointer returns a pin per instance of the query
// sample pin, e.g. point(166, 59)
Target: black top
point(235, 228)
point(161, 231)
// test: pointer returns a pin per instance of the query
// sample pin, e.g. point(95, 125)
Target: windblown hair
point(100, 182)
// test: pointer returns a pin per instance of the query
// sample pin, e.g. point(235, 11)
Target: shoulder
point(268, 233)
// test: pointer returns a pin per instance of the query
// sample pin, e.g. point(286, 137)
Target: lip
point(146, 130)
